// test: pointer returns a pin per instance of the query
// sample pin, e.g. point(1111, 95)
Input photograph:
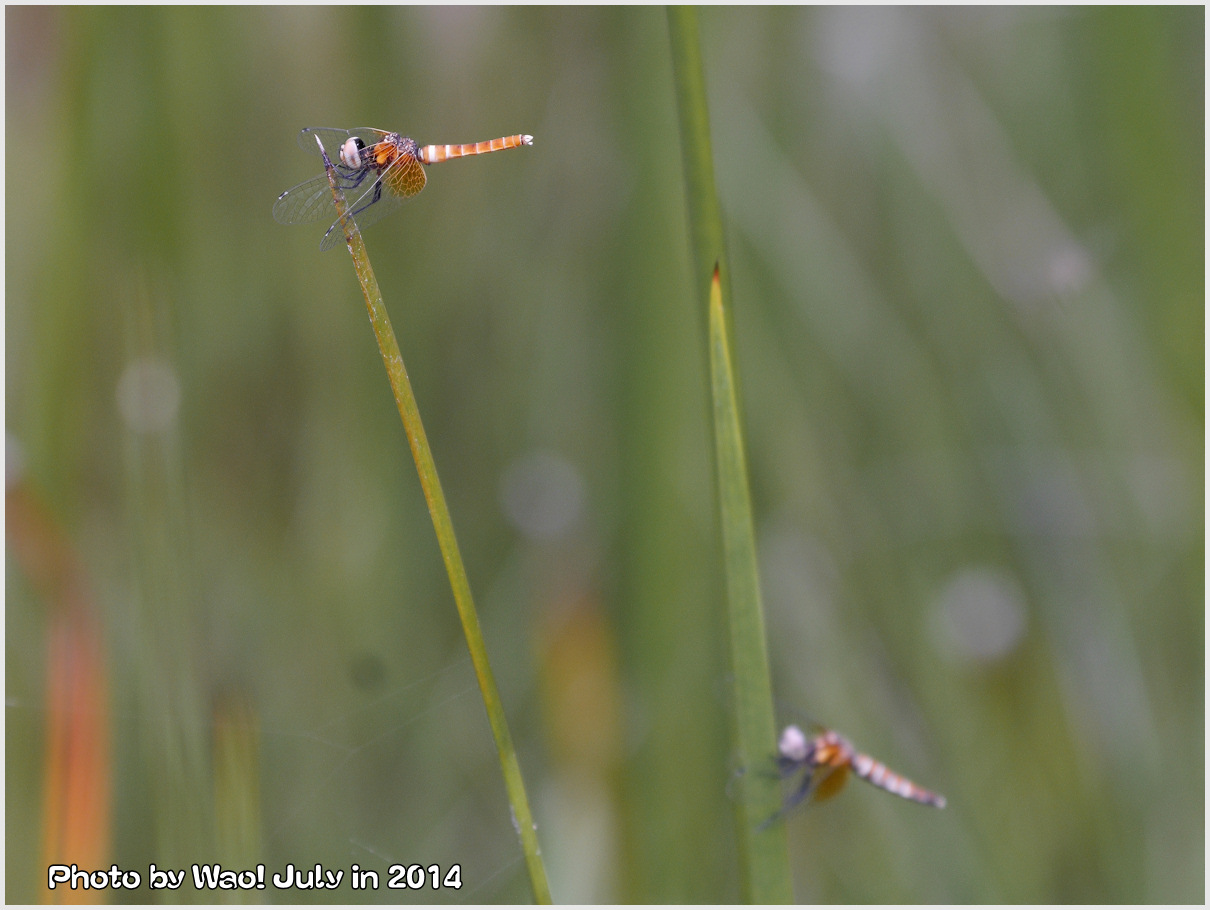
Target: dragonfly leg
point(787, 766)
point(801, 793)
point(353, 214)
point(377, 196)
point(349, 179)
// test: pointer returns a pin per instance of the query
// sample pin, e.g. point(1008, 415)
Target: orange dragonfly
point(826, 761)
point(376, 178)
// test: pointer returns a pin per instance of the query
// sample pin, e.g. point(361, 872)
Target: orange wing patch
point(406, 178)
point(829, 782)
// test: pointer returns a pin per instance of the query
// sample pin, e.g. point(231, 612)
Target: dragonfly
point(826, 761)
point(376, 169)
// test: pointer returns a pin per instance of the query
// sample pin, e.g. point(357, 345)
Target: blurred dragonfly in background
point(826, 761)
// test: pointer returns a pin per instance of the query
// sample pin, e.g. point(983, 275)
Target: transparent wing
point(816, 784)
point(371, 207)
point(333, 138)
point(311, 200)
point(371, 194)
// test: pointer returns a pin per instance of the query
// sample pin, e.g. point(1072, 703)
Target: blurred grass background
point(968, 272)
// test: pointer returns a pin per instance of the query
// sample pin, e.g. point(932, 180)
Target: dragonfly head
point(793, 744)
point(350, 152)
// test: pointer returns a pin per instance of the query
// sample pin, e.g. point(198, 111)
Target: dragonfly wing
point(311, 200)
point(405, 177)
point(804, 789)
point(365, 209)
point(831, 779)
point(801, 792)
point(304, 202)
point(371, 193)
point(818, 783)
point(333, 139)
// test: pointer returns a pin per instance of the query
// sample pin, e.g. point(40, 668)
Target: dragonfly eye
point(350, 152)
point(792, 744)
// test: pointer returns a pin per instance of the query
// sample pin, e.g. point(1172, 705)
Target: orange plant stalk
point(76, 802)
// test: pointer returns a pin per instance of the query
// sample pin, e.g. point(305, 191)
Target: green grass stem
point(405, 400)
point(763, 852)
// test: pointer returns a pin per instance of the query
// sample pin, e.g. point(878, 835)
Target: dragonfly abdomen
point(432, 154)
point(883, 777)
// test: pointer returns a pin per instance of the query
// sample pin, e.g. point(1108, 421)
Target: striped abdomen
point(432, 154)
point(881, 776)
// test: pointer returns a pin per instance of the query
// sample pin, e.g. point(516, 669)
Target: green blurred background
point(967, 259)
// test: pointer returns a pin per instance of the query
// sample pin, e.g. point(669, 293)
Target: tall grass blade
point(405, 400)
point(763, 854)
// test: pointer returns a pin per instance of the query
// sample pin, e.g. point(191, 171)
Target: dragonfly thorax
point(828, 748)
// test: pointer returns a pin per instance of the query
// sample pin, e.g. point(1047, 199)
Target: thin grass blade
point(443, 525)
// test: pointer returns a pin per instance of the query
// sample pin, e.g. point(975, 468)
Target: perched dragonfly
point(826, 761)
point(376, 178)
